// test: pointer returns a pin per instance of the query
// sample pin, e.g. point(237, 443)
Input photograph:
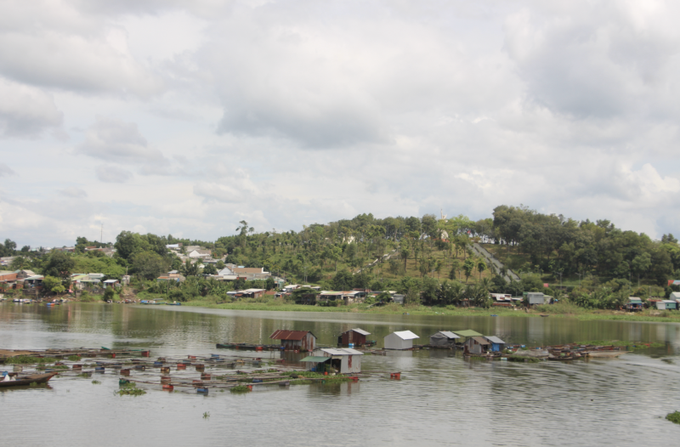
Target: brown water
point(441, 399)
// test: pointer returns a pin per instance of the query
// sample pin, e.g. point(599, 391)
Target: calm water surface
point(441, 399)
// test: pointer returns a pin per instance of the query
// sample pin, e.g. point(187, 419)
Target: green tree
point(59, 264)
point(468, 267)
point(50, 283)
point(190, 268)
point(19, 263)
point(210, 269)
point(149, 265)
point(481, 266)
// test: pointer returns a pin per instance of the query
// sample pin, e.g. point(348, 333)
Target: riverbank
point(553, 311)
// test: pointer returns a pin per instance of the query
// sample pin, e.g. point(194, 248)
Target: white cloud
point(208, 111)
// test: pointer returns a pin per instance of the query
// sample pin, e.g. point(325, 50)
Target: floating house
point(341, 360)
point(634, 304)
point(344, 360)
point(444, 339)
point(353, 337)
point(477, 345)
point(666, 305)
point(464, 335)
point(497, 345)
point(295, 340)
point(400, 340)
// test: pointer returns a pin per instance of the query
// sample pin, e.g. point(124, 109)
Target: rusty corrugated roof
point(283, 334)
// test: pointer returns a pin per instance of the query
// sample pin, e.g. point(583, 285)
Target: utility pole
point(101, 235)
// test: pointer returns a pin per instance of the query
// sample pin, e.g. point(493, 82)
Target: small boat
point(27, 380)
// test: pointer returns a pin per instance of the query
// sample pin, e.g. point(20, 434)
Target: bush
point(674, 417)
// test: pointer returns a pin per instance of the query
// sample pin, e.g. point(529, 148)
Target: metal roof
point(341, 351)
point(447, 334)
point(469, 333)
point(283, 334)
point(315, 359)
point(405, 335)
point(481, 340)
point(494, 339)
point(361, 331)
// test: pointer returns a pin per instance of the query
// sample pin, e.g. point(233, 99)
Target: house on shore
point(634, 304)
point(666, 305)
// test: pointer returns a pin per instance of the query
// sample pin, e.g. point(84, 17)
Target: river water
point(441, 399)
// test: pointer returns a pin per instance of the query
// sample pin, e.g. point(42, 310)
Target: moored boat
point(28, 380)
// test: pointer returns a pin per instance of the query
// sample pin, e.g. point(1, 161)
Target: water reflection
point(441, 399)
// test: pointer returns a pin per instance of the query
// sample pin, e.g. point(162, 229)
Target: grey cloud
point(70, 50)
point(73, 192)
point(26, 111)
point(118, 141)
point(330, 125)
point(606, 59)
point(112, 174)
point(6, 171)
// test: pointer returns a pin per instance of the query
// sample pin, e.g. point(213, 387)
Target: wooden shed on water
point(295, 340)
point(400, 340)
point(355, 337)
point(497, 345)
point(444, 340)
point(477, 345)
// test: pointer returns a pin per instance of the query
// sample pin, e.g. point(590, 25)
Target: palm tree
point(481, 266)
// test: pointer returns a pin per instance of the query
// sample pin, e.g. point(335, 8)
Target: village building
point(252, 293)
point(353, 338)
point(444, 340)
point(400, 340)
point(295, 340)
point(634, 304)
point(535, 298)
point(477, 345)
point(111, 283)
point(666, 305)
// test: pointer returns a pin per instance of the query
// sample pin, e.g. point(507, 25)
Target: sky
point(186, 117)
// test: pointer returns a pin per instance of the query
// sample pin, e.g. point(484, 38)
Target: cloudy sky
point(184, 117)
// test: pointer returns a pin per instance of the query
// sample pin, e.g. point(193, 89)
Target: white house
point(400, 340)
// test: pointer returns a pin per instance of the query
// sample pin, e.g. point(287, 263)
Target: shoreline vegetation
point(565, 310)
